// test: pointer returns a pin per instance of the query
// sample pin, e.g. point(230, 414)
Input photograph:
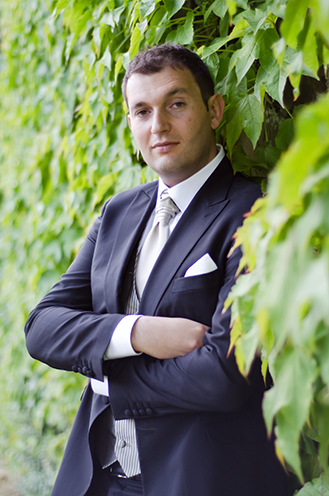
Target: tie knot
point(166, 208)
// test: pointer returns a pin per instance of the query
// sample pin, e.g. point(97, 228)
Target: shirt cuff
point(120, 344)
point(100, 387)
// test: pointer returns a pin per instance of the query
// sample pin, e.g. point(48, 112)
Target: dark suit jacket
point(198, 421)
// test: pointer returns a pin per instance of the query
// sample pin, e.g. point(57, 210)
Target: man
point(139, 311)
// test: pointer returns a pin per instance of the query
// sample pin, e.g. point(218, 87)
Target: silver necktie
point(165, 210)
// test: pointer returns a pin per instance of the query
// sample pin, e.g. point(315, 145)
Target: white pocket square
point(204, 265)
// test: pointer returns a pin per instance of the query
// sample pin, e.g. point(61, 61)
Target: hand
point(167, 337)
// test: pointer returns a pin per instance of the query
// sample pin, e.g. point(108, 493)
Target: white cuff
point(120, 344)
point(100, 387)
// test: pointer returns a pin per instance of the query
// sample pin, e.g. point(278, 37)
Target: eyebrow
point(167, 95)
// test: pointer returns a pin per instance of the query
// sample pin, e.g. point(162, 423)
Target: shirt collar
point(183, 193)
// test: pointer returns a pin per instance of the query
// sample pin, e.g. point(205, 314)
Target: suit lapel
point(127, 237)
point(201, 213)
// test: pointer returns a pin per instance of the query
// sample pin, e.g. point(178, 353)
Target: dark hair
point(172, 55)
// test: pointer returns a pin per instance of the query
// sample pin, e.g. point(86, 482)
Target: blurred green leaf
point(318, 487)
point(294, 21)
point(184, 34)
point(173, 6)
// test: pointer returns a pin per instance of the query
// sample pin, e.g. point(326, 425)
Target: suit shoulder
point(125, 197)
point(242, 185)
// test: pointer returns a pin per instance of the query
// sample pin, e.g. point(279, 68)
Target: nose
point(160, 122)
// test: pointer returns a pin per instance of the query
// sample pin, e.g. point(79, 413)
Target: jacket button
point(149, 411)
point(85, 370)
point(142, 412)
point(74, 368)
point(128, 413)
point(135, 413)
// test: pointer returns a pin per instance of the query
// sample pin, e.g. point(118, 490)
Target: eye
point(141, 113)
point(178, 104)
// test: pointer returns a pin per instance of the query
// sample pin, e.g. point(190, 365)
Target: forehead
point(161, 85)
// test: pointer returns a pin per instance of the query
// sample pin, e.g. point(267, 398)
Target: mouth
point(165, 146)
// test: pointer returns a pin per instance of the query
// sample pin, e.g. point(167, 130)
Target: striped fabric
point(126, 447)
point(125, 430)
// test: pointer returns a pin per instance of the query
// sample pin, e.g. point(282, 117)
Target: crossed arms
point(183, 367)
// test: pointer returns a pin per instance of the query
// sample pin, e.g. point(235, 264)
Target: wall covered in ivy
point(65, 147)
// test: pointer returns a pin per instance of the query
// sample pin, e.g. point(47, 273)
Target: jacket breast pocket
point(196, 297)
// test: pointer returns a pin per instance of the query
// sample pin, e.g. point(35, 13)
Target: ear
point(216, 108)
point(129, 121)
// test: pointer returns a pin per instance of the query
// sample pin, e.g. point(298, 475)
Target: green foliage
point(280, 306)
point(318, 487)
point(66, 147)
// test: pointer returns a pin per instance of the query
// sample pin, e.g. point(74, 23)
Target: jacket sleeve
point(63, 331)
point(205, 380)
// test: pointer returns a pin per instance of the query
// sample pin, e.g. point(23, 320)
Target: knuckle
point(195, 343)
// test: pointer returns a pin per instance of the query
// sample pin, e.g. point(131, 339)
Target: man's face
point(170, 122)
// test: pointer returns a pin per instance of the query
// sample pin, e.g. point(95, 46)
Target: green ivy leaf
point(107, 58)
point(310, 48)
point(136, 38)
point(218, 7)
point(213, 64)
point(311, 140)
point(237, 32)
point(243, 4)
point(285, 134)
point(61, 4)
point(112, 18)
point(105, 185)
point(147, 7)
point(214, 46)
point(248, 344)
point(173, 6)
point(252, 117)
point(257, 46)
point(269, 155)
point(294, 21)
point(184, 34)
point(290, 397)
point(320, 12)
point(273, 80)
point(245, 113)
point(255, 18)
point(318, 487)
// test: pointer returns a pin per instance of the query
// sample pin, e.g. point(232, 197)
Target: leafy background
point(66, 147)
